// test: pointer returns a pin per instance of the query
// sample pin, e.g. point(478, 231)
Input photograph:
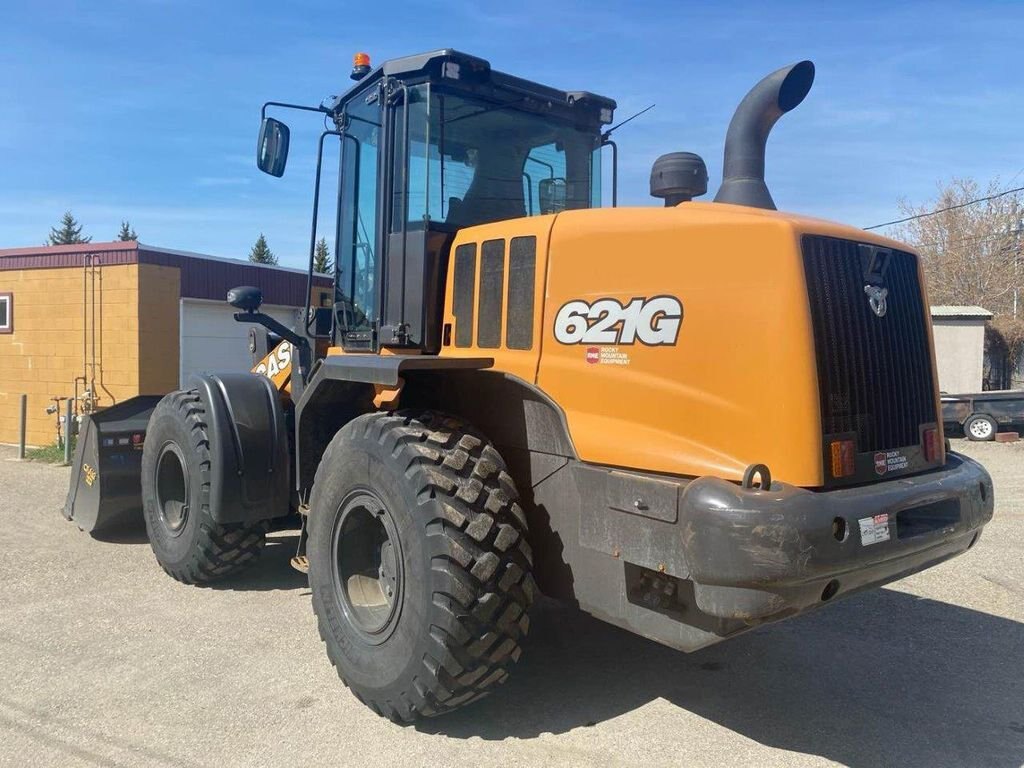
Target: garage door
point(211, 340)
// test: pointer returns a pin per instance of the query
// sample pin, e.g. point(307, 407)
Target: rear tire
point(188, 543)
point(418, 563)
point(981, 427)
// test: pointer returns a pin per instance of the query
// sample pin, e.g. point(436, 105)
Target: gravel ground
point(106, 661)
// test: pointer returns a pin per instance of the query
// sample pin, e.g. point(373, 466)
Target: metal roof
point(202, 276)
point(961, 311)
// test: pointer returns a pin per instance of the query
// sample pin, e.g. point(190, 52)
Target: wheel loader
point(687, 420)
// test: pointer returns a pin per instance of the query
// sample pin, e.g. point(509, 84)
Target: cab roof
point(464, 71)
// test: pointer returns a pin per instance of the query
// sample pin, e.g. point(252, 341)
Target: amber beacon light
point(360, 66)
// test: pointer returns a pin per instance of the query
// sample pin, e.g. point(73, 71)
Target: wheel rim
point(366, 565)
point(981, 429)
point(172, 489)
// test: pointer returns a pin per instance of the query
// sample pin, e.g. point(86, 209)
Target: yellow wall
point(159, 355)
point(135, 352)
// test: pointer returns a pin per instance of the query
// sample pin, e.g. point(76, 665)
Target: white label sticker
point(874, 530)
point(651, 321)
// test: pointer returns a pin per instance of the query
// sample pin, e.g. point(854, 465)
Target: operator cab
point(431, 144)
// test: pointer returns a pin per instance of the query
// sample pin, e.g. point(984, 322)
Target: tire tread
point(480, 562)
point(221, 550)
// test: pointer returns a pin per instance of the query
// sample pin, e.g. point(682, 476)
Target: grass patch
point(49, 454)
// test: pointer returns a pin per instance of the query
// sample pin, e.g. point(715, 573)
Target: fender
point(249, 476)
point(342, 387)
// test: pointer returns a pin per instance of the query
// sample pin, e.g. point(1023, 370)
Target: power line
point(950, 208)
point(984, 237)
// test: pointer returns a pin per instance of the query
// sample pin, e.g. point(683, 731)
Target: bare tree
point(971, 253)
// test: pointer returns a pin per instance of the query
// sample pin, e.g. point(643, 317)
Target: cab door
point(357, 278)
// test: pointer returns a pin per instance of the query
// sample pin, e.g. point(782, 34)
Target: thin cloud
point(222, 181)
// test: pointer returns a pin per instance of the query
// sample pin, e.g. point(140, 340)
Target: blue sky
point(148, 110)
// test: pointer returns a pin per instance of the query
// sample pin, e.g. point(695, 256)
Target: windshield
point(473, 162)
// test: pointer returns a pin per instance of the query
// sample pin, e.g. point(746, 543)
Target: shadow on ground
point(272, 571)
point(885, 678)
point(133, 532)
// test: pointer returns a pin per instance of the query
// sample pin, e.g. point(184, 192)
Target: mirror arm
point(301, 343)
point(286, 105)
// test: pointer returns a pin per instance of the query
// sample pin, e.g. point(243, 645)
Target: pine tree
point(260, 253)
point(322, 261)
point(127, 232)
point(69, 232)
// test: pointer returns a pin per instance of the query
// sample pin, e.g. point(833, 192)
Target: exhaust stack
point(743, 171)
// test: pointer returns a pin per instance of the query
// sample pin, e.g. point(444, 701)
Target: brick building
point(103, 322)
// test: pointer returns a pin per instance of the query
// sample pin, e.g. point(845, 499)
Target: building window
point(6, 313)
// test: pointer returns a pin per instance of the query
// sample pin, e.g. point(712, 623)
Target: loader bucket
point(106, 474)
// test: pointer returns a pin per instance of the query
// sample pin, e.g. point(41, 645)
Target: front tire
point(188, 543)
point(418, 563)
point(980, 428)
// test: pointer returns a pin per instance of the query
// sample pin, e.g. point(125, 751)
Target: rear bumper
point(759, 556)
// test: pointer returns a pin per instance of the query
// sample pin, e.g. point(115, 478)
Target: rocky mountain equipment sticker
point(890, 461)
point(874, 530)
point(606, 356)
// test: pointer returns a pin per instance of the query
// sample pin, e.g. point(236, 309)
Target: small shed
point(959, 333)
point(102, 322)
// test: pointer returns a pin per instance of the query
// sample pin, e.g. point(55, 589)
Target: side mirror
point(272, 147)
point(246, 298)
point(552, 194)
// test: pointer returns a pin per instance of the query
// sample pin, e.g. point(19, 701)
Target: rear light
point(842, 452)
point(931, 444)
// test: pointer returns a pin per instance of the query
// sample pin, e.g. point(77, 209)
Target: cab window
point(471, 162)
point(358, 250)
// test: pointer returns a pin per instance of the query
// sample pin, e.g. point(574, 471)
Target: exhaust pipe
point(743, 171)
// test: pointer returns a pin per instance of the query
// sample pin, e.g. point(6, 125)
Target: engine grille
point(874, 373)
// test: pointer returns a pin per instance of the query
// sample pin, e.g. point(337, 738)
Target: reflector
point(842, 458)
point(931, 444)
